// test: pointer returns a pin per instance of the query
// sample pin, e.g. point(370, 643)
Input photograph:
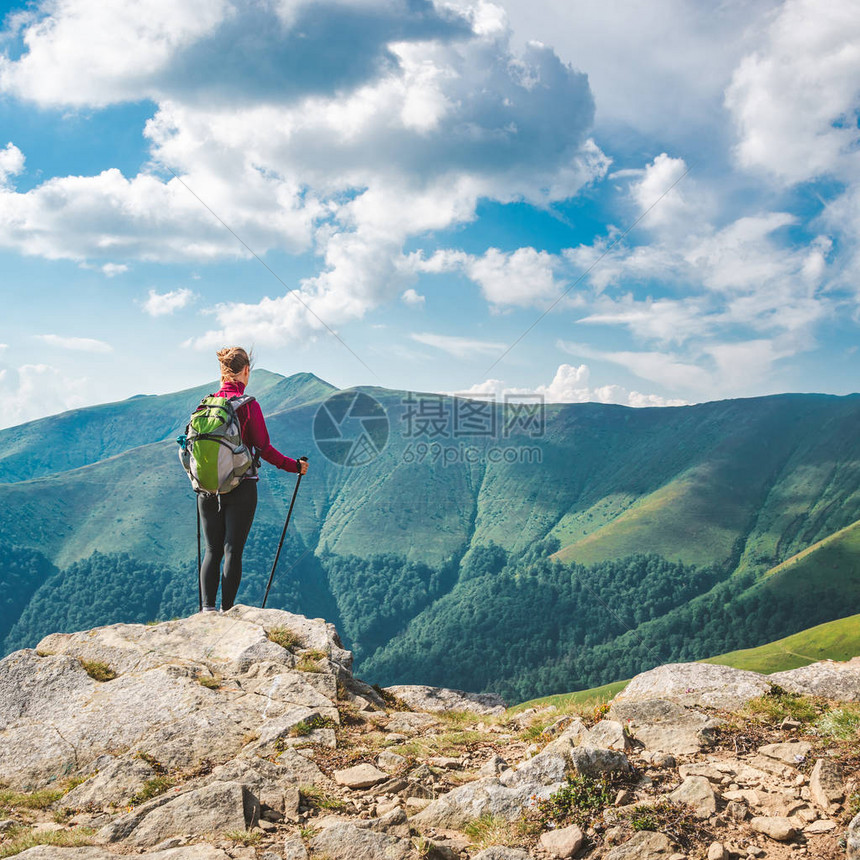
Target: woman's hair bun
point(233, 360)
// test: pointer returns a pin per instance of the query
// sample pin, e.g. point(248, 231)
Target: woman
point(227, 518)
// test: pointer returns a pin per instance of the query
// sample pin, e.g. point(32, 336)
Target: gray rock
point(186, 852)
point(216, 807)
point(642, 846)
point(778, 828)
point(825, 784)
point(852, 850)
point(546, 768)
point(56, 720)
point(440, 699)
point(493, 767)
point(345, 841)
point(500, 852)
point(391, 762)
point(665, 726)
point(697, 793)
point(360, 776)
point(829, 679)
point(594, 761)
point(562, 843)
point(113, 785)
point(404, 722)
point(609, 734)
point(485, 796)
point(717, 851)
point(697, 684)
point(294, 849)
point(790, 753)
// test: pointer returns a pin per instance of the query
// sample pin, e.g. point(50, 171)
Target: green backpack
point(211, 449)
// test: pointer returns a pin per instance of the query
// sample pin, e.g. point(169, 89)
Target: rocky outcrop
point(828, 679)
point(245, 736)
point(697, 685)
point(440, 700)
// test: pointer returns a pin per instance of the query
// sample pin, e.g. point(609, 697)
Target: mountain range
point(520, 548)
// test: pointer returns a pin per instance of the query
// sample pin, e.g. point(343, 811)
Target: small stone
point(493, 767)
point(294, 849)
point(416, 804)
point(266, 826)
point(736, 811)
point(790, 753)
point(385, 807)
point(613, 835)
point(717, 851)
point(778, 828)
point(825, 784)
point(697, 792)
point(755, 851)
point(445, 762)
point(624, 797)
point(823, 825)
point(562, 843)
point(643, 846)
point(48, 827)
point(390, 762)
point(7, 824)
point(360, 776)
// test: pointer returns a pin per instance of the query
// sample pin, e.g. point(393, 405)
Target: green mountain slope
point(672, 513)
point(834, 640)
point(85, 436)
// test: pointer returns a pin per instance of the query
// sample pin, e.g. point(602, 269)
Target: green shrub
point(152, 788)
point(312, 723)
point(578, 802)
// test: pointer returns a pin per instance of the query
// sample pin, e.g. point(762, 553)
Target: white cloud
point(795, 99)
point(571, 384)
point(400, 132)
point(38, 390)
point(162, 304)
point(413, 299)
point(708, 371)
point(111, 270)
point(523, 278)
point(11, 163)
point(658, 66)
point(77, 344)
point(459, 347)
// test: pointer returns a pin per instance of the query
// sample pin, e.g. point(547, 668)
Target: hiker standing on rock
point(227, 511)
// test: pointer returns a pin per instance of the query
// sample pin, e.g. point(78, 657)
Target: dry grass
point(21, 839)
point(285, 637)
point(97, 670)
point(491, 830)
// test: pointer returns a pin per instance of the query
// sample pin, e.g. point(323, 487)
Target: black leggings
point(225, 529)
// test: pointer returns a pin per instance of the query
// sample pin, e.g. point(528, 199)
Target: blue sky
point(663, 197)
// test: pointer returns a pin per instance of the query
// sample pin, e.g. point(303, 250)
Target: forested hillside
point(609, 541)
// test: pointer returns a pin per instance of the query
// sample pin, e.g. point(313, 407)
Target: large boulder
point(697, 685)
point(56, 718)
point(347, 842)
point(441, 699)
point(217, 807)
point(829, 679)
point(852, 841)
point(483, 797)
point(643, 846)
point(665, 726)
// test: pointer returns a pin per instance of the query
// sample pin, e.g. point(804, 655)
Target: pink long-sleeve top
point(254, 432)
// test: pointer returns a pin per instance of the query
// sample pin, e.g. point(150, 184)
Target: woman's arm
point(255, 434)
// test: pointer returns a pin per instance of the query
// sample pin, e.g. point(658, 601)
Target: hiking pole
point(283, 535)
point(199, 563)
